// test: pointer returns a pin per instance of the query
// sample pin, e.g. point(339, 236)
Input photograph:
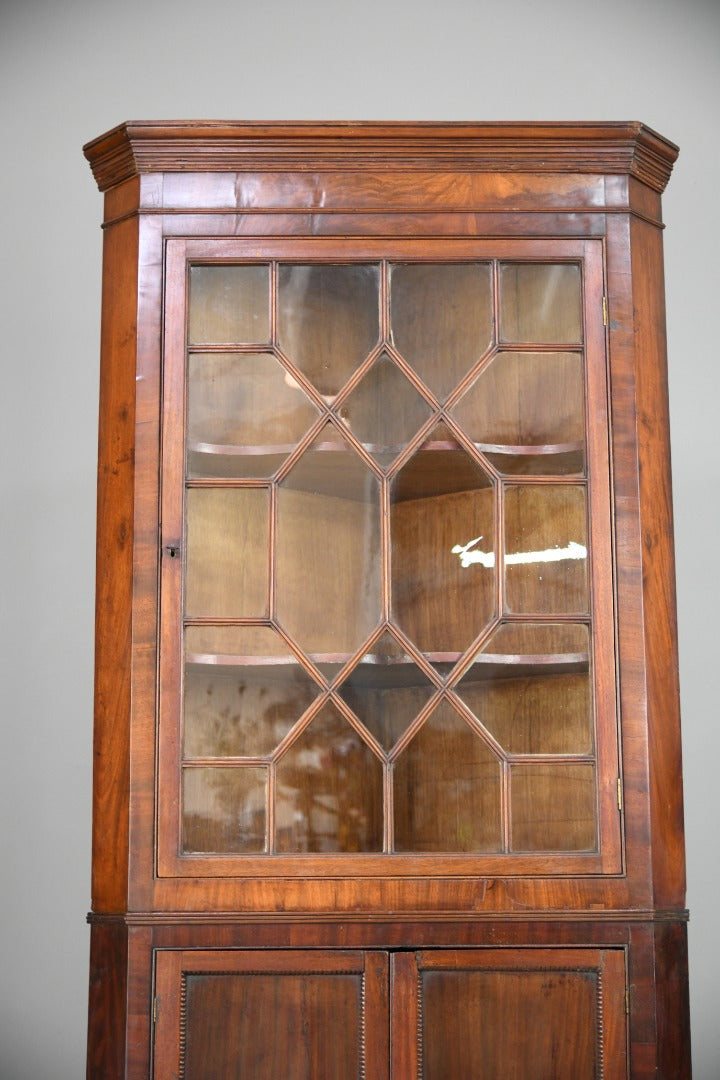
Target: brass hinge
point(605, 311)
point(619, 794)
point(156, 1002)
point(627, 1002)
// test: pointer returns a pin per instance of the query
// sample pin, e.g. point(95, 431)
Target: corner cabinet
point(387, 759)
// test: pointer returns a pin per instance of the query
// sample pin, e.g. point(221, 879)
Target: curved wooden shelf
point(433, 445)
point(516, 665)
point(222, 459)
point(531, 449)
point(391, 672)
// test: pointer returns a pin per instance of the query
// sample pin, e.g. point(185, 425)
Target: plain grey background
point(71, 69)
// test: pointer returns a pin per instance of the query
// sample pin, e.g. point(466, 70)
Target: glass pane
point(227, 552)
point(447, 789)
point(530, 688)
point(240, 701)
point(329, 568)
point(553, 807)
point(441, 319)
point(328, 320)
point(546, 548)
point(224, 810)
point(386, 690)
point(329, 790)
point(209, 644)
point(526, 412)
point(442, 501)
point(540, 302)
point(229, 305)
point(384, 411)
point(245, 414)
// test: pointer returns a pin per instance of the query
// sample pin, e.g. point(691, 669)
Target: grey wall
point(69, 70)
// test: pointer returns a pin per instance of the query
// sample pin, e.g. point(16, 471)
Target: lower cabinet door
point(275, 1015)
point(464, 1014)
point(515, 1014)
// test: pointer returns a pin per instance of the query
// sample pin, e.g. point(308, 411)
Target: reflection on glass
point(540, 302)
point(441, 318)
point(227, 542)
point(240, 700)
point(384, 411)
point(546, 548)
point(229, 305)
point(328, 548)
point(529, 686)
point(526, 412)
point(245, 414)
point(386, 690)
point(224, 809)
point(441, 495)
point(328, 320)
point(553, 807)
point(329, 790)
point(447, 789)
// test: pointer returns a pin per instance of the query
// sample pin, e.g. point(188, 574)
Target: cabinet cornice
point(138, 147)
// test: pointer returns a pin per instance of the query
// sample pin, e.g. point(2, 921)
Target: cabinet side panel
point(114, 569)
point(107, 1001)
point(658, 568)
point(673, 1004)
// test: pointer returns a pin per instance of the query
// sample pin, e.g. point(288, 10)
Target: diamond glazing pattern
point(390, 416)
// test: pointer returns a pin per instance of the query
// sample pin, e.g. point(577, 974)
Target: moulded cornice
point(147, 146)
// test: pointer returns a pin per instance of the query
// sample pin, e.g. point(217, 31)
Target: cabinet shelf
point(394, 672)
point(232, 460)
point(530, 450)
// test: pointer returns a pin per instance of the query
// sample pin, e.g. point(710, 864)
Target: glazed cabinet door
point(530, 1014)
point(386, 602)
point(295, 1015)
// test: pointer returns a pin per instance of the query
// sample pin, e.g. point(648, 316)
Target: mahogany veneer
point(387, 756)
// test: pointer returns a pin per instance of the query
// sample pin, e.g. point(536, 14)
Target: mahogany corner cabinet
point(387, 750)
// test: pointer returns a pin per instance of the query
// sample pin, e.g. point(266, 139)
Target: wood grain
point(171, 146)
point(658, 569)
point(114, 569)
point(566, 194)
point(533, 1015)
point(270, 1014)
point(107, 1001)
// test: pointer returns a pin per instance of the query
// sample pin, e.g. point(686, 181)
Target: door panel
point(264, 1015)
point(471, 1014)
point(531, 1014)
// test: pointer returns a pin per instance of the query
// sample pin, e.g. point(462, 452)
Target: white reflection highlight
point(487, 558)
point(329, 399)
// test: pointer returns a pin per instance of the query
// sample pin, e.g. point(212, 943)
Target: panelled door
point(470, 1014)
